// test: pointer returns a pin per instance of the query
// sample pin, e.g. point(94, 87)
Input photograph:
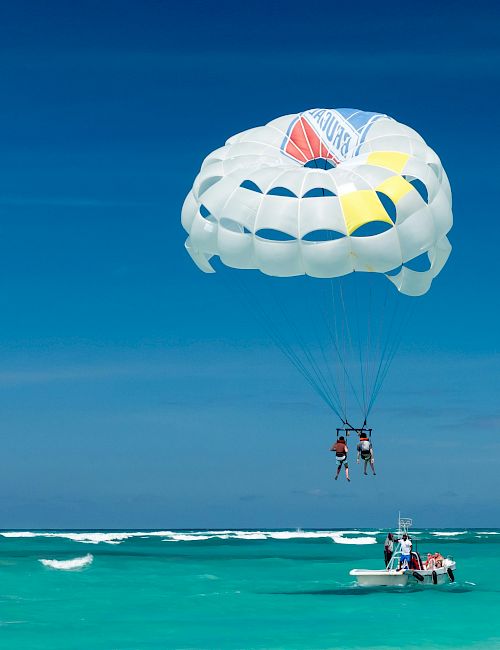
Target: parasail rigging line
point(306, 366)
point(349, 339)
point(377, 345)
point(314, 366)
point(360, 348)
point(388, 363)
point(383, 356)
point(334, 337)
point(396, 330)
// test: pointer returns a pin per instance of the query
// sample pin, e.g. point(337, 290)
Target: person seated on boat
point(341, 451)
point(365, 450)
point(430, 563)
point(438, 559)
point(406, 544)
point(388, 548)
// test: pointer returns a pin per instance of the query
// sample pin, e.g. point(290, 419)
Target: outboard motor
point(451, 575)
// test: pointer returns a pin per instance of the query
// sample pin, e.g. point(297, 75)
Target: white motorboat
point(415, 573)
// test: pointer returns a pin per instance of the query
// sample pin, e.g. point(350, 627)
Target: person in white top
point(406, 544)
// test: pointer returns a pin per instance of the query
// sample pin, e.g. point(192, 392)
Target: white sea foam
point(360, 532)
point(91, 537)
point(369, 532)
point(340, 539)
point(337, 536)
point(446, 534)
point(298, 534)
point(488, 532)
point(69, 565)
point(180, 537)
point(241, 534)
point(117, 537)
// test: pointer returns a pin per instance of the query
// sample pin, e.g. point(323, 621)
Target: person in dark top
point(341, 451)
point(388, 548)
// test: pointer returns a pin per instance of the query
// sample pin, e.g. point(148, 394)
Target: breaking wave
point(91, 537)
point(187, 538)
point(488, 532)
point(354, 540)
point(339, 537)
point(448, 534)
point(69, 565)
point(354, 536)
point(336, 536)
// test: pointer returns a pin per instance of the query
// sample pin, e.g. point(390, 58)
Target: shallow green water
point(294, 592)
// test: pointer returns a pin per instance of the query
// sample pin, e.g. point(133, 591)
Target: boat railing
point(394, 561)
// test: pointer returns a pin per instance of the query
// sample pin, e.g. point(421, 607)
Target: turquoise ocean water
point(239, 589)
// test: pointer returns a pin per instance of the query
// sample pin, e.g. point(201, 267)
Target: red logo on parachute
point(303, 144)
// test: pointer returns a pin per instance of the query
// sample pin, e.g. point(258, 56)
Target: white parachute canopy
point(324, 193)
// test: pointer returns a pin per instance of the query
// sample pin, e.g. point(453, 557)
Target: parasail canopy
point(326, 193)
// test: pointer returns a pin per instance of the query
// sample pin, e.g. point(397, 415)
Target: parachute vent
point(320, 163)
point(389, 205)
point(282, 191)
point(316, 192)
point(274, 235)
point(322, 235)
point(419, 186)
point(372, 228)
point(250, 185)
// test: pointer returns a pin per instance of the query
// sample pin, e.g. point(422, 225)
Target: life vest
point(365, 448)
point(340, 453)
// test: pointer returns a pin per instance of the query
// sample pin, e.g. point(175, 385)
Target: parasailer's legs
point(346, 467)
point(372, 465)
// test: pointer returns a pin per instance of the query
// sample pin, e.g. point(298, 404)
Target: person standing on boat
point(341, 451)
point(388, 548)
point(365, 450)
point(406, 544)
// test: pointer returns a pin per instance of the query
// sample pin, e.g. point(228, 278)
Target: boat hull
point(394, 578)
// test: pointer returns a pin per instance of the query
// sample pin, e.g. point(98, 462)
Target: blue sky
point(133, 391)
